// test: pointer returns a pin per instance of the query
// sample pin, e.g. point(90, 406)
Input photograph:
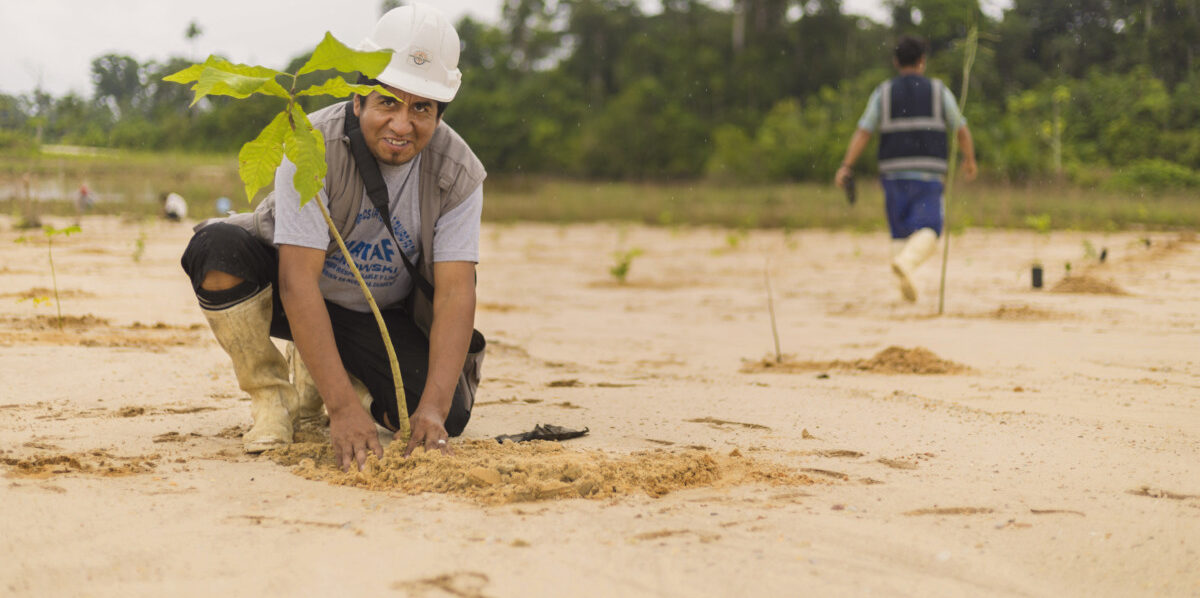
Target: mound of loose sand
point(892, 360)
point(494, 473)
point(1088, 285)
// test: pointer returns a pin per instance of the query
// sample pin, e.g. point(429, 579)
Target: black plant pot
point(1037, 277)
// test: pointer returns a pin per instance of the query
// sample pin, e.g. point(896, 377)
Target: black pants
point(232, 250)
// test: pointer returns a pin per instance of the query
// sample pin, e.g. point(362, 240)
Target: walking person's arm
point(970, 168)
point(857, 144)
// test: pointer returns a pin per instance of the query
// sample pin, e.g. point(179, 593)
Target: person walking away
point(402, 188)
point(913, 114)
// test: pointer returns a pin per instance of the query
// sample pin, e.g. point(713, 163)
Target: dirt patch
point(1089, 285)
point(718, 423)
point(463, 584)
point(494, 473)
point(1021, 313)
point(500, 308)
point(1160, 493)
point(951, 511)
point(92, 331)
point(892, 360)
point(45, 322)
point(43, 292)
point(97, 462)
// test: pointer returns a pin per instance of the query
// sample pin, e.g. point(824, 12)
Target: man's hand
point(429, 431)
point(352, 432)
point(970, 169)
point(843, 174)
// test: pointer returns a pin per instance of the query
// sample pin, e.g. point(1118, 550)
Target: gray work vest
point(912, 129)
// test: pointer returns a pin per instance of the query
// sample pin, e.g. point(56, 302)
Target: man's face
point(396, 131)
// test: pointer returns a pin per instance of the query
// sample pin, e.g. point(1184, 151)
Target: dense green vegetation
point(129, 183)
point(1096, 93)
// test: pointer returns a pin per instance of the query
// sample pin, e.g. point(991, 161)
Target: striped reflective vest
point(912, 125)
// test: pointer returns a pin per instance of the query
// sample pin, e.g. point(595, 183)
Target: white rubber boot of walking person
point(919, 246)
point(262, 372)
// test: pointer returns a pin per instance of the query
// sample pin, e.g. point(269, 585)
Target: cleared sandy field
point(1058, 454)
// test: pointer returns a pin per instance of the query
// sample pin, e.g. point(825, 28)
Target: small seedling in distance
point(50, 232)
point(624, 259)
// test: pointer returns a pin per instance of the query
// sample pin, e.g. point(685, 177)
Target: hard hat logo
point(420, 57)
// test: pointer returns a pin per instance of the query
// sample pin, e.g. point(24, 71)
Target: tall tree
point(118, 82)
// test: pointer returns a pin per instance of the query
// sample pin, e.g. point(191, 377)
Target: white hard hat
point(426, 48)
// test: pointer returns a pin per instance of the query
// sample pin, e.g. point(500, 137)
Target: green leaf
point(259, 158)
point(305, 147)
point(192, 73)
point(50, 231)
point(338, 88)
point(217, 81)
point(334, 55)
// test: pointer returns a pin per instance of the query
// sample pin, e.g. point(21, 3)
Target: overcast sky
point(53, 42)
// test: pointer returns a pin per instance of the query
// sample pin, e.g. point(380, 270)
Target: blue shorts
point(912, 205)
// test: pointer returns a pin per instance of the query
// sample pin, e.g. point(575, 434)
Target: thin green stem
point(771, 309)
point(952, 168)
point(54, 279)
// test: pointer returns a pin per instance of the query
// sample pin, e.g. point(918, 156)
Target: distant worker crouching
point(174, 208)
point(912, 114)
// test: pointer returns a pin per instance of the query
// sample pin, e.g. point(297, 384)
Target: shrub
point(1154, 175)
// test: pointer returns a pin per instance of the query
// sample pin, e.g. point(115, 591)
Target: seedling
point(139, 244)
point(771, 310)
point(620, 269)
point(1089, 250)
point(734, 238)
point(972, 45)
point(50, 232)
point(291, 134)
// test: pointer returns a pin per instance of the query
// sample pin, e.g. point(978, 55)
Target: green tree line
point(1094, 91)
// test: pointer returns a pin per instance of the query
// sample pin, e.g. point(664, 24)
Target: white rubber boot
point(917, 249)
point(244, 332)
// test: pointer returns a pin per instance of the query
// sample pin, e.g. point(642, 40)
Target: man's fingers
point(374, 446)
point(439, 445)
point(413, 443)
point(346, 457)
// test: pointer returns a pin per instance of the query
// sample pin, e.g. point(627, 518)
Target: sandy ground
point(1063, 461)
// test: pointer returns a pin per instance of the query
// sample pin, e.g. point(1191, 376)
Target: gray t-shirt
point(455, 236)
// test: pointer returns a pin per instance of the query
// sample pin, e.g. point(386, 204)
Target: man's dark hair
point(909, 50)
point(365, 80)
